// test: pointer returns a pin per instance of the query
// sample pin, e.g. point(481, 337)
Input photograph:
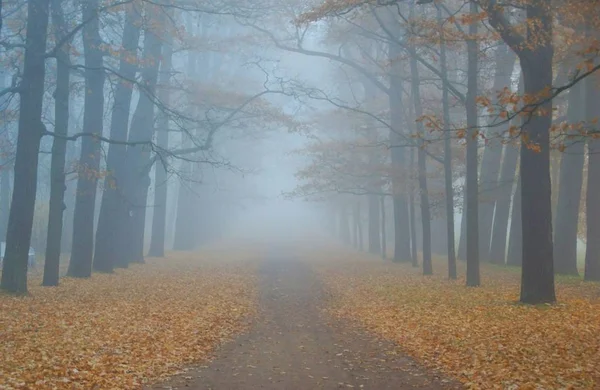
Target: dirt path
point(292, 346)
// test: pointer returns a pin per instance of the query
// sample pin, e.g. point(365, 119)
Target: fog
point(383, 127)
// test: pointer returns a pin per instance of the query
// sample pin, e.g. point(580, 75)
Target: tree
point(82, 250)
point(59, 150)
point(472, 188)
point(112, 206)
point(448, 179)
point(592, 253)
point(490, 161)
point(31, 89)
point(157, 242)
point(570, 184)
point(422, 170)
point(537, 280)
point(402, 244)
point(137, 160)
point(503, 202)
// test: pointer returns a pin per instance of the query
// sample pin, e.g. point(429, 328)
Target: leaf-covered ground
point(118, 331)
point(481, 336)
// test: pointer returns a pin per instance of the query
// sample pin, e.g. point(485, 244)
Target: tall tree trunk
point(414, 256)
point(344, 226)
point(361, 241)
point(69, 199)
point(20, 220)
point(515, 238)
point(462, 241)
point(157, 241)
point(569, 190)
point(506, 184)
point(185, 222)
point(439, 236)
point(402, 248)
point(138, 157)
point(355, 223)
point(490, 162)
point(504, 197)
point(555, 161)
point(472, 190)
point(537, 279)
point(421, 167)
point(449, 189)
point(4, 200)
point(59, 151)
point(82, 250)
point(592, 253)
point(383, 229)
point(5, 168)
point(374, 238)
point(113, 207)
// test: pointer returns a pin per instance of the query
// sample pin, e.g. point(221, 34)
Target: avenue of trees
point(121, 118)
point(480, 106)
point(117, 112)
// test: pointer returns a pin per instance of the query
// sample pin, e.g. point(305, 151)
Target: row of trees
point(124, 96)
point(472, 99)
point(426, 101)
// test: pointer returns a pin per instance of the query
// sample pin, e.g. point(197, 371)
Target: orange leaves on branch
point(483, 101)
point(469, 18)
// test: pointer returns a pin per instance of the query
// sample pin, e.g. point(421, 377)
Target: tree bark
point(157, 241)
point(500, 229)
point(421, 167)
point(185, 223)
point(402, 248)
point(344, 226)
point(20, 221)
point(490, 162)
point(59, 150)
point(472, 190)
point(413, 223)
point(569, 190)
point(355, 224)
point(82, 250)
point(374, 237)
point(462, 241)
point(4, 200)
point(537, 279)
point(592, 253)
point(113, 207)
point(138, 157)
point(359, 226)
point(383, 229)
point(515, 239)
point(5, 169)
point(505, 187)
point(448, 181)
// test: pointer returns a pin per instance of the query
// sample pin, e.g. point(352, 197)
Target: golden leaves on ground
point(118, 331)
point(480, 336)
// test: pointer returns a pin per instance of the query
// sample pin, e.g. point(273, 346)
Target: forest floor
point(297, 317)
point(480, 336)
point(293, 344)
point(117, 331)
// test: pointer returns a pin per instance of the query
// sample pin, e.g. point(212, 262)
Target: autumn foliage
point(480, 336)
point(119, 331)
